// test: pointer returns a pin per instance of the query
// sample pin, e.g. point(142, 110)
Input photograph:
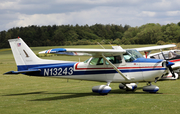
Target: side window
point(161, 56)
point(111, 59)
point(171, 55)
point(155, 57)
point(96, 61)
point(128, 58)
point(114, 60)
point(100, 61)
point(118, 59)
point(177, 52)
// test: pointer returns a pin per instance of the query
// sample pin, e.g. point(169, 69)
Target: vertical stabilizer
point(25, 58)
point(23, 55)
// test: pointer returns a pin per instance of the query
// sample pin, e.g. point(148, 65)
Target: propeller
point(169, 64)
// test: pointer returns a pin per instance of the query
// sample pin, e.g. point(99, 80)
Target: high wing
point(98, 52)
point(93, 52)
point(155, 47)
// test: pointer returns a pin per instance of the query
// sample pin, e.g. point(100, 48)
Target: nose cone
point(168, 64)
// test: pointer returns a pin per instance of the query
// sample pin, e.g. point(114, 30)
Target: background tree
point(82, 35)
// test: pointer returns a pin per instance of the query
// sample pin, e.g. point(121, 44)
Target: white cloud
point(163, 4)
point(173, 13)
point(147, 14)
point(9, 5)
point(37, 19)
point(92, 16)
point(17, 13)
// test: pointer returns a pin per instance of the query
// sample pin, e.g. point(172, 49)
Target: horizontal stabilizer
point(23, 71)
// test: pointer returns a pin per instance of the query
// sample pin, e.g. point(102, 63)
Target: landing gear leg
point(108, 83)
point(149, 84)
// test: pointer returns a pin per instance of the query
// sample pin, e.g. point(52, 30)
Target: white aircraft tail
point(25, 57)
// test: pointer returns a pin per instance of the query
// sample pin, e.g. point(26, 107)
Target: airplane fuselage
point(136, 71)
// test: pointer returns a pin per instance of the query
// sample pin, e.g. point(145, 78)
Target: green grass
point(26, 94)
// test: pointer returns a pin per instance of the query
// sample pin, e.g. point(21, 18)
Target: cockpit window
point(168, 55)
point(100, 61)
point(131, 55)
point(86, 61)
point(128, 57)
point(172, 55)
point(135, 54)
point(177, 52)
point(96, 61)
point(114, 59)
point(159, 56)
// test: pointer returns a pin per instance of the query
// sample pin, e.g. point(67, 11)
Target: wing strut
point(115, 68)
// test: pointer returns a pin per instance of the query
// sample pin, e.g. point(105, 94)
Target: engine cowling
point(151, 88)
point(131, 86)
point(101, 89)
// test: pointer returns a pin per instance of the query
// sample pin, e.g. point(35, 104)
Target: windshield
point(135, 54)
point(86, 61)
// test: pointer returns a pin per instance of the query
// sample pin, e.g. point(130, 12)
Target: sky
point(21, 13)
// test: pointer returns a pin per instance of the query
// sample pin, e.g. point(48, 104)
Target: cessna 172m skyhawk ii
point(125, 66)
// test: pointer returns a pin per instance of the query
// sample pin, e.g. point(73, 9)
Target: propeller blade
point(172, 71)
point(169, 64)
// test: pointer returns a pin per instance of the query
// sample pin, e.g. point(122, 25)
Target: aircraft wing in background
point(155, 47)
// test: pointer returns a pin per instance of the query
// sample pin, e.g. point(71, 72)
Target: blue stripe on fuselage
point(68, 69)
point(26, 67)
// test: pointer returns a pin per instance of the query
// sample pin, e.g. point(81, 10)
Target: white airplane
point(172, 56)
point(106, 65)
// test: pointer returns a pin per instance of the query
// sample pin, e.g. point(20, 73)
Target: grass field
point(26, 94)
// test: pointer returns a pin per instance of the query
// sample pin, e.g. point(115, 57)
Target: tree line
point(89, 35)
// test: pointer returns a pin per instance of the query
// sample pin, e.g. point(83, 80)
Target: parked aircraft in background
point(172, 56)
point(125, 66)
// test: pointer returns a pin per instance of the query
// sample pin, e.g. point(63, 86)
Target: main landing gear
point(128, 87)
point(150, 88)
point(105, 89)
point(102, 89)
point(132, 86)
